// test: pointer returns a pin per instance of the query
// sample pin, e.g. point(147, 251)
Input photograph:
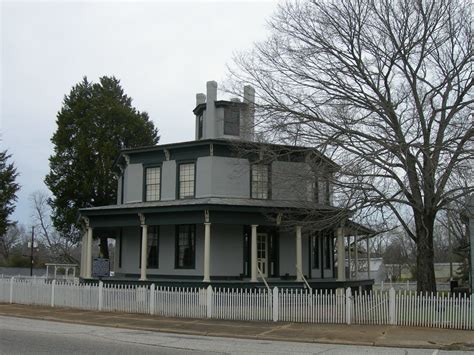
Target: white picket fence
point(402, 308)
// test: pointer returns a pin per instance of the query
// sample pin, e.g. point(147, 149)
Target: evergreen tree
point(96, 121)
point(8, 190)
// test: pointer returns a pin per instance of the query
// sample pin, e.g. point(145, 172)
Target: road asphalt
point(31, 336)
point(361, 335)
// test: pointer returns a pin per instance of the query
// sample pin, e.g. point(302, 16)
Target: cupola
point(231, 119)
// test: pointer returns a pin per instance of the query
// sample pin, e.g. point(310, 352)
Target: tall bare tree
point(59, 249)
point(384, 88)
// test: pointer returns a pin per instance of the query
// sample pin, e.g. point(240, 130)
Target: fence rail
point(404, 308)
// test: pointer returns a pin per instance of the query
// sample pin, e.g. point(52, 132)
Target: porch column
point(356, 259)
point(340, 255)
point(88, 274)
point(143, 263)
point(254, 253)
point(83, 257)
point(299, 254)
point(207, 252)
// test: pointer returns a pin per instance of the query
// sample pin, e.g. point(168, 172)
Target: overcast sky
point(163, 53)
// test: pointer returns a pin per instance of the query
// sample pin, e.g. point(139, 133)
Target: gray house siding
point(290, 181)
point(119, 190)
point(222, 177)
point(288, 253)
point(218, 176)
point(133, 183)
point(168, 180)
point(226, 251)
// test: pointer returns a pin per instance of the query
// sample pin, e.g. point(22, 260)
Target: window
point(152, 183)
point(260, 186)
point(153, 247)
point(200, 126)
point(185, 252)
point(324, 190)
point(232, 121)
point(327, 252)
point(313, 191)
point(186, 180)
point(315, 251)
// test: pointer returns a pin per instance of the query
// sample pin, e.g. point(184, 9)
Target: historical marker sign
point(100, 267)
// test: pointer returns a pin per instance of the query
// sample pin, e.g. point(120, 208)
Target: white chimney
point(210, 126)
point(248, 123)
point(200, 99)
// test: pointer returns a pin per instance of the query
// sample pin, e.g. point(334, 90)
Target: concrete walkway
point(409, 337)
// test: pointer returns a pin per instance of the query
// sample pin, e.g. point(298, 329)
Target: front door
point(262, 253)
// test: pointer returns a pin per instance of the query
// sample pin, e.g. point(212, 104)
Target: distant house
point(200, 211)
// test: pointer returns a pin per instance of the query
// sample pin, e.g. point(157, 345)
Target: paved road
point(28, 336)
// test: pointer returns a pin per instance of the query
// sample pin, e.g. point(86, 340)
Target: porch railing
point(304, 278)
point(263, 278)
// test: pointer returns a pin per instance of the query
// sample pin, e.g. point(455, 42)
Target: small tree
point(383, 88)
point(96, 121)
point(8, 190)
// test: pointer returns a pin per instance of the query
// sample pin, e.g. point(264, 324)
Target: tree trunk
point(425, 275)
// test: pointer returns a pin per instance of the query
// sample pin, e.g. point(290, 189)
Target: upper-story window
point(232, 121)
point(152, 183)
point(186, 180)
point(324, 190)
point(319, 190)
point(200, 125)
point(260, 181)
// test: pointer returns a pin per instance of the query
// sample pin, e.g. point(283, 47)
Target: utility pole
point(32, 249)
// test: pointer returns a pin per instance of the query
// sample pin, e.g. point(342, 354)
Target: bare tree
point(381, 87)
point(10, 239)
point(60, 249)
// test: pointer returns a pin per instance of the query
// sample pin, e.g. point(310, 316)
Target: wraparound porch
point(222, 250)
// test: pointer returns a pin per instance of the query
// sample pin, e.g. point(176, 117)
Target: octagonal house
point(225, 210)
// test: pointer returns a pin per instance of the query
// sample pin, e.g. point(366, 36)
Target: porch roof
point(242, 204)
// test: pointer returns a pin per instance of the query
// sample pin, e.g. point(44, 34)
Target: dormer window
point(232, 121)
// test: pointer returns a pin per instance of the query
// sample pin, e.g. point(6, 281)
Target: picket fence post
point(275, 304)
point(348, 305)
point(209, 301)
point(53, 285)
point(152, 299)
point(391, 306)
point(472, 311)
point(101, 288)
point(11, 289)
